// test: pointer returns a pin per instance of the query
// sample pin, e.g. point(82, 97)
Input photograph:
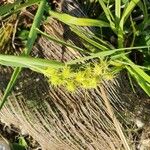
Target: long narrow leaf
point(59, 41)
point(96, 55)
point(71, 20)
point(16, 6)
point(128, 11)
point(143, 6)
point(140, 80)
point(138, 70)
point(89, 40)
point(108, 14)
point(29, 45)
point(118, 9)
point(107, 53)
point(8, 7)
point(24, 61)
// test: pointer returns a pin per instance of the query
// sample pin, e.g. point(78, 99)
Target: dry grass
point(56, 118)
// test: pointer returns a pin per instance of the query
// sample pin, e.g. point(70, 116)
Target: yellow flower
point(56, 80)
point(88, 71)
point(66, 72)
point(51, 72)
point(71, 87)
point(109, 76)
point(97, 70)
point(79, 77)
point(90, 83)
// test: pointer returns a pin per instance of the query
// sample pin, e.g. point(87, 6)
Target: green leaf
point(117, 9)
point(143, 6)
point(52, 38)
point(127, 11)
point(8, 7)
point(107, 53)
point(108, 14)
point(96, 55)
point(138, 70)
point(140, 80)
point(71, 20)
point(16, 6)
point(28, 62)
point(22, 142)
point(27, 50)
point(81, 34)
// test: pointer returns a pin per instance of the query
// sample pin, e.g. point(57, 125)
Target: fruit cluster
point(86, 77)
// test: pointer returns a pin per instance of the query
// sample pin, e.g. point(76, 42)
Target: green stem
point(27, 50)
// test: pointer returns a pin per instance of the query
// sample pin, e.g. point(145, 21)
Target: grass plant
point(102, 59)
point(115, 16)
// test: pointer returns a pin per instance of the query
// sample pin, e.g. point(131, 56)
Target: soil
point(10, 134)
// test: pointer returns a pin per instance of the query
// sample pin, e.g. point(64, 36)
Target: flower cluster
point(86, 77)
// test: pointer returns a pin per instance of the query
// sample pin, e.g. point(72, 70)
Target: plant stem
point(31, 39)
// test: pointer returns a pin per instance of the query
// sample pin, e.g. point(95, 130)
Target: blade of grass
point(108, 14)
point(113, 58)
point(140, 80)
point(24, 61)
point(73, 46)
point(107, 53)
point(142, 5)
point(71, 20)
point(117, 10)
point(127, 11)
point(143, 79)
point(9, 8)
point(31, 39)
point(96, 55)
point(134, 32)
point(89, 40)
point(131, 82)
point(102, 41)
point(138, 70)
point(59, 41)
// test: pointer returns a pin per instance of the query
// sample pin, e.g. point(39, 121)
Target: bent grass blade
point(140, 80)
point(16, 6)
point(54, 39)
point(71, 20)
point(28, 62)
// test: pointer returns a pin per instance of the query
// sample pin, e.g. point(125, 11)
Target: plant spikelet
point(55, 80)
point(87, 77)
point(71, 87)
point(80, 76)
point(51, 72)
point(90, 83)
point(109, 76)
point(66, 73)
point(97, 70)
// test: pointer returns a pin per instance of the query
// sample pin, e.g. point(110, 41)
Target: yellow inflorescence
point(88, 77)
